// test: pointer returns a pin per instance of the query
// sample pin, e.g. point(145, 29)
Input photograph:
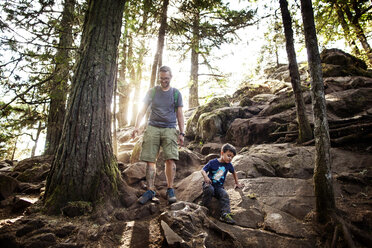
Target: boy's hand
point(208, 180)
point(238, 186)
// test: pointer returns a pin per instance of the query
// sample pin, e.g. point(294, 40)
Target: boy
point(214, 173)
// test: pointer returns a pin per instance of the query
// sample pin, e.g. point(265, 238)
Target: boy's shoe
point(171, 196)
point(227, 218)
point(148, 195)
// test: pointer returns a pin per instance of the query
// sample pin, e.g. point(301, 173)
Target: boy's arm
point(237, 184)
point(206, 178)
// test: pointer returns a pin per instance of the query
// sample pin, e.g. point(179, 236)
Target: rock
point(349, 103)
point(124, 156)
point(29, 188)
point(338, 57)
point(190, 188)
point(30, 227)
point(20, 204)
point(263, 98)
point(8, 186)
point(211, 148)
point(65, 230)
point(135, 172)
point(215, 103)
point(8, 241)
point(33, 170)
point(190, 222)
point(136, 152)
point(40, 241)
point(171, 237)
point(257, 130)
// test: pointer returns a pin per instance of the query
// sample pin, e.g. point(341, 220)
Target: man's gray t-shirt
point(162, 106)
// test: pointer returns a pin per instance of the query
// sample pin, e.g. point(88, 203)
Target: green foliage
point(340, 19)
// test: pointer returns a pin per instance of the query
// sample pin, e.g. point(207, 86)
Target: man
point(166, 105)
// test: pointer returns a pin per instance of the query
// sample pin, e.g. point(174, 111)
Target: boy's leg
point(208, 192)
point(224, 200)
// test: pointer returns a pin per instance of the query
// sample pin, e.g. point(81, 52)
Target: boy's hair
point(165, 68)
point(228, 147)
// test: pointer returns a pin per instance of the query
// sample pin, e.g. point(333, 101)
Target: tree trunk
point(323, 187)
point(36, 140)
point(304, 129)
point(84, 167)
point(123, 88)
point(58, 85)
point(161, 38)
point(194, 95)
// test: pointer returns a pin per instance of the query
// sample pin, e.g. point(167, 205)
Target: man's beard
point(164, 85)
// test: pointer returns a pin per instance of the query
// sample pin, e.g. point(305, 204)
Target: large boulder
point(349, 103)
point(243, 132)
point(33, 170)
point(334, 84)
point(337, 63)
point(216, 123)
point(276, 160)
point(215, 103)
point(8, 186)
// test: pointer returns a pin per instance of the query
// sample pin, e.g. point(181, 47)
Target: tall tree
point(84, 167)
point(325, 202)
point(58, 84)
point(304, 130)
point(161, 38)
point(203, 25)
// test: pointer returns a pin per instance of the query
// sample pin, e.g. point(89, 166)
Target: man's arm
point(139, 118)
point(181, 125)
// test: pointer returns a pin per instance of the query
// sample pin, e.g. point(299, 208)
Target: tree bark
point(325, 202)
point(84, 167)
point(194, 95)
point(161, 38)
point(304, 130)
point(58, 85)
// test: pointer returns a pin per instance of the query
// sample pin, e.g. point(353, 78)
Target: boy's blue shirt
point(217, 171)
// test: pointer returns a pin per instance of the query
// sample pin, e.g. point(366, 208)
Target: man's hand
point(134, 133)
point(181, 139)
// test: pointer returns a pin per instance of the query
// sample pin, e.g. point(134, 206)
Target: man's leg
point(170, 173)
point(150, 175)
point(150, 179)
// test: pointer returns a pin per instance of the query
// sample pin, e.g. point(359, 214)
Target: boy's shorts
point(156, 137)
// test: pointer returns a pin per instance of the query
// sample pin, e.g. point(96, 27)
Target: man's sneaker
point(171, 196)
point(227, 218)
point(148, 195)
